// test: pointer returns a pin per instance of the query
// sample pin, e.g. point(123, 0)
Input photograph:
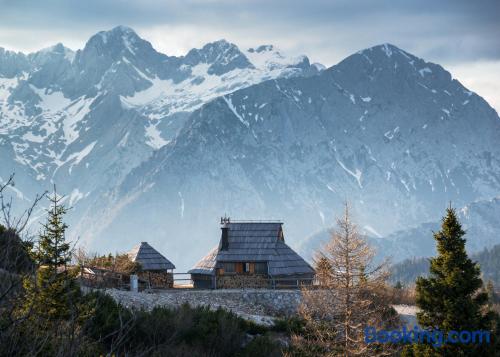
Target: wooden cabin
point(156, 270)
point(251, 255)
point(101, 278)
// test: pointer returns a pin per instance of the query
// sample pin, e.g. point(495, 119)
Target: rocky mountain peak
point(118, 32)
point(12, 63)
point(56, 52)
point(116, 42)
point(221, 56)
point(388, 57)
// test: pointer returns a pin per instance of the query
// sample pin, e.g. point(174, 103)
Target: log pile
point(241, 281)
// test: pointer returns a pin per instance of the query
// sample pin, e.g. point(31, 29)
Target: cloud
point(447, 29)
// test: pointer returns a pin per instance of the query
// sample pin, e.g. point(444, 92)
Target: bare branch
point(12, 223)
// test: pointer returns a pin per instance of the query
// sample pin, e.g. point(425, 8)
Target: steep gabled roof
point(287, 262)
point(149, 258)
point(255, 242)
point(251, 241)
point(207, 264)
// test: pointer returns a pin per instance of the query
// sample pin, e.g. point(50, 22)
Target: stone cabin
point(251, 254)
point(156, 270)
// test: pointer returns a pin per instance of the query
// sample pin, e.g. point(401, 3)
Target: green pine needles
point(452, 298)
point(53, 251)
point(53, 293)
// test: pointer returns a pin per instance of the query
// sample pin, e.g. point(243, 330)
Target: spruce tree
point(490, 290)
point(52, 295)
point(452, 298)
point(323, 270)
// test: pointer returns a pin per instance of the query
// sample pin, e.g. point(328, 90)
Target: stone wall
point(259, 305)
point(263, 302)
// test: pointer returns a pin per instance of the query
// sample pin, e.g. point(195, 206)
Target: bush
point(261, 346)
point(292, 325)
point(14, 252)
point(176, 332)
point(109, 321)
point(118, 263)
point(109, 328)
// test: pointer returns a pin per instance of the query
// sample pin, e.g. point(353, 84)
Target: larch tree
point(348, 298)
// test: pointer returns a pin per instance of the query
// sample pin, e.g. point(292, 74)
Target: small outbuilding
point(251, 254)
point(156, 270)
point(101, 278)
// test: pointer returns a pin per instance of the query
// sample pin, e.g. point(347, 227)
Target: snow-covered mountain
point(159, 147)
point(395, 135)
point(84, 119)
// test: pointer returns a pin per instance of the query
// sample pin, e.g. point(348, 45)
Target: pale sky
point(461, 35)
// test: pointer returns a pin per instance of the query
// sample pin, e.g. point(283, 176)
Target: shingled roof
point(255, 242)
point(207, 264)
point(149, 258)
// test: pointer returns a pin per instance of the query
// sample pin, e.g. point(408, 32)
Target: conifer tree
point(323, 270)
point(348, 299)
point(398, 285)
point(451, 297)
point(52, 295)
point(53, 251)
point(490, 291)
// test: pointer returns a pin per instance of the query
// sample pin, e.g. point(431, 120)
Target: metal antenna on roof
point(225, 219)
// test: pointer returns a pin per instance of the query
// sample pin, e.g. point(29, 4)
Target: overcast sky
point(461, 35)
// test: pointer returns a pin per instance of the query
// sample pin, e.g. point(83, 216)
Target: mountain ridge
point(478, 219)
point(83, 119)
point(295, 148)
point(256, 135)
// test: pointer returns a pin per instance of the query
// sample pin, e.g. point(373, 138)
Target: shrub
point(261, 346)
point(291, 325)
point(171, 331)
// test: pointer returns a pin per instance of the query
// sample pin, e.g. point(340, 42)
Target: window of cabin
point(239, 267)
point(260, 268)
point(246, 268)
point(229, 268)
